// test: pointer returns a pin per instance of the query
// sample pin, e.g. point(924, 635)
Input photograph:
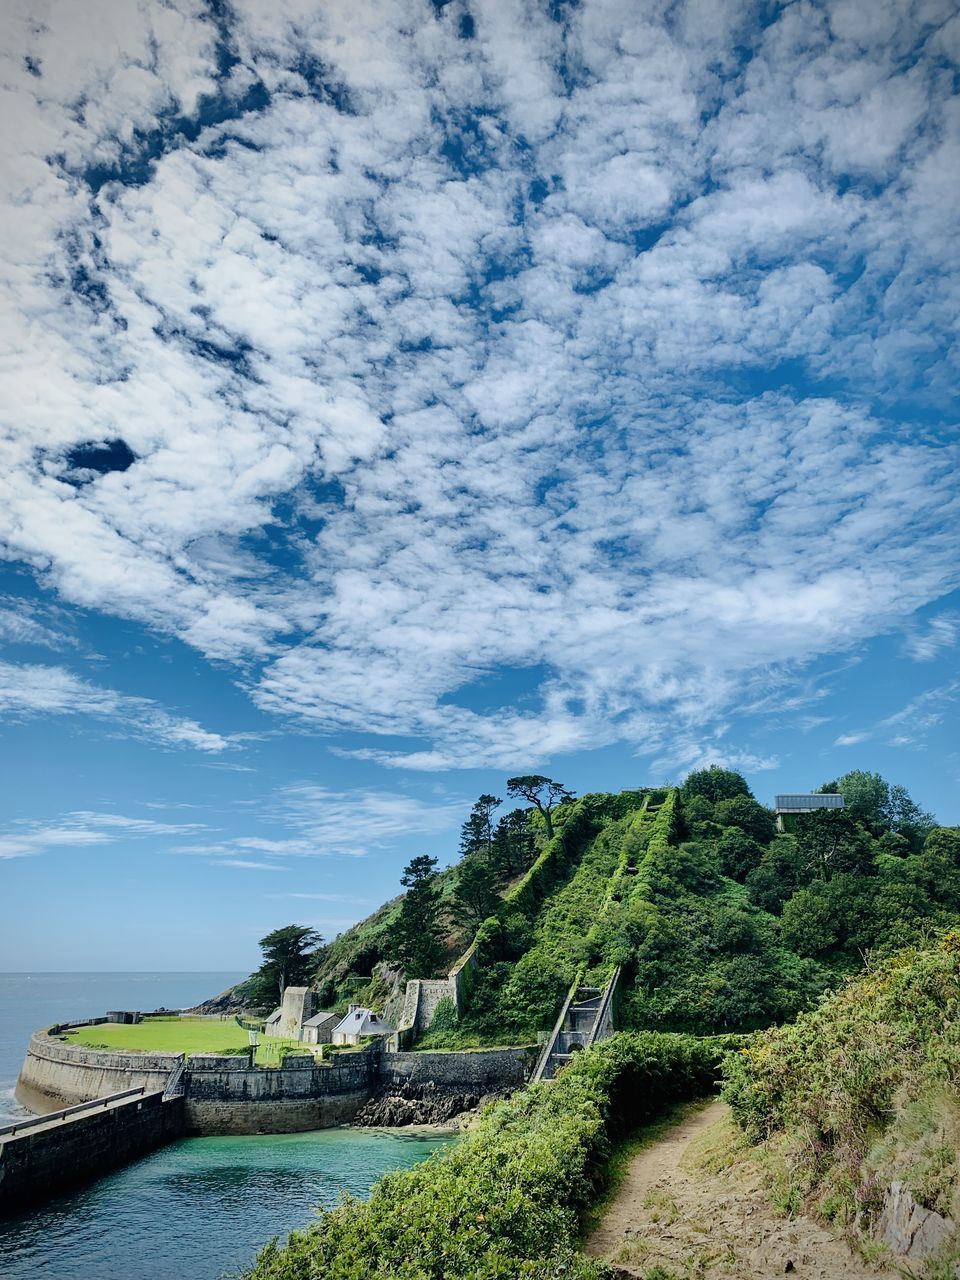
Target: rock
point(397, 1106)
point(908, 1229)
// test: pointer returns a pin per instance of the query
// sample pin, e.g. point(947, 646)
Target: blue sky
point(397, 396)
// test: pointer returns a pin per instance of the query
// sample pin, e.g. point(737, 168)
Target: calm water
point(202, 1205)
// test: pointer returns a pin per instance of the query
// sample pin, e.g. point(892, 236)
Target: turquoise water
point(199, 1208)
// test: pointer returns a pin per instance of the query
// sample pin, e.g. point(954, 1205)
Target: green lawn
point(179, 1035)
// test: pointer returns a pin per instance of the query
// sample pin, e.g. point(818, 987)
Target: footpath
point(688, 1209)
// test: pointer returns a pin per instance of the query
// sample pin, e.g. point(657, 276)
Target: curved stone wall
point(57, 1074)
point(225, 1094)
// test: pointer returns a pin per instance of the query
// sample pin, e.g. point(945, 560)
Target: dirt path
point(679, 1214)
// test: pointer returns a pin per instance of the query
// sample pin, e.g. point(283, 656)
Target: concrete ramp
point(586, 1017)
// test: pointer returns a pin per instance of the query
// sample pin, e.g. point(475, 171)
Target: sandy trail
point(675, 1219)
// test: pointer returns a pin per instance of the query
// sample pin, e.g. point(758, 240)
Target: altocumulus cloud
point(589, 340)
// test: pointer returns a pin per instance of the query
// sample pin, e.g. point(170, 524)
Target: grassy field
point(179, 1035)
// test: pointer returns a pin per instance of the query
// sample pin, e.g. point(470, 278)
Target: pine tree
point(417, 936)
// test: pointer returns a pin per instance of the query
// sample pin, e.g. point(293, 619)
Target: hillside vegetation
point(717, 922)
point(508, 1200)
point(863, 1092)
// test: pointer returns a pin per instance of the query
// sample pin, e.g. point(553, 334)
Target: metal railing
point(95, 1104)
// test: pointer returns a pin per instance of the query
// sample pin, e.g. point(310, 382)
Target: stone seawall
point(476, 1071)
point(56, 1074)
point(40, 1161)
point(434, 1088)
point(227, 1095)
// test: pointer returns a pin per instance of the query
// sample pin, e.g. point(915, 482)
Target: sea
point(199, 1205)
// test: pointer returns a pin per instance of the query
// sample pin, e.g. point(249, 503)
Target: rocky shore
point(396, 1106)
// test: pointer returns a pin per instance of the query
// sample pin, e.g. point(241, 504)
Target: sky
point(397, 396)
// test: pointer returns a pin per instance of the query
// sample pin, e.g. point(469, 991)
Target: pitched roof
point(363, 1022)
point(319, 1019)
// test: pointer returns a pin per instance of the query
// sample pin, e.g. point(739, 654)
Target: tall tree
point(830, 841)
point(714, 784)
point(476, 836)
point(289, 958)
point(416, 940)
point(475, 896)
point(513, 846)
point(543, 793)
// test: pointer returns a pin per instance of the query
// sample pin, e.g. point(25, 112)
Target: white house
point(357, 1024)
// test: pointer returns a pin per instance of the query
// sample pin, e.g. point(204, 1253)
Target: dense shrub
point(507, 1201)
point(863, 1089)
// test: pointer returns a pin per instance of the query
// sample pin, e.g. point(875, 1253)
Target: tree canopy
point(290, 955)
point(542, 792)
point(416, 940)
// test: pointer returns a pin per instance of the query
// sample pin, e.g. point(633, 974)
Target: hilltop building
point(789, 807)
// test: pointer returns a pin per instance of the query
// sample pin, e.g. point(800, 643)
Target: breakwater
point(37, 1159)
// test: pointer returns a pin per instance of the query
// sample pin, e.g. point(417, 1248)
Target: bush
point(507, 1201)
point(839, 1092)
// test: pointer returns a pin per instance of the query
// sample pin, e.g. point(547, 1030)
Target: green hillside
point(864, 1092)
point(716, 922)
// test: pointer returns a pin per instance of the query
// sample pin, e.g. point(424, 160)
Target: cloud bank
point(607, 344)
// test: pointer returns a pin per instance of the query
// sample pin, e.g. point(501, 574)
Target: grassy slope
point(863, 1091)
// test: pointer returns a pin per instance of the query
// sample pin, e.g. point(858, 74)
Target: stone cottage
point(319, 1028)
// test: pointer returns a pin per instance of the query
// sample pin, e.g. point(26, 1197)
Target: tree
point(513, 847)
point(416, 940)
point(289, 958)
point(475, 896)
point(543, 793)
point(753, 819)
point(738, 854)
point(714, 784)
point(829, 840)
point(476, 836)
point(866, 797)
point(907, 818)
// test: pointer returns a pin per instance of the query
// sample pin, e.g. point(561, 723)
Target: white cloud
point(243, 864)
point(497, 415)
point(31, 690)
point(82, 829)
point(940, 633)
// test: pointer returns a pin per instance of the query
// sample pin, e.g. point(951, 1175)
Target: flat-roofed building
point(789, 807)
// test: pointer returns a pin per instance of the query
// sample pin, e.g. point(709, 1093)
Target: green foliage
point(475, 895)
point(416, 939)
point(864, 1089)
point(881, 806)
point(714, 784)
point(290, 956)
point(744, 813)
point(507, 1201)
point(476, 836)
point(542, 792)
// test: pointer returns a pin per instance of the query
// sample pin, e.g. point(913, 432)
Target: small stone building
point(295, 1009)
point(319, 1028)
point(359, 1023)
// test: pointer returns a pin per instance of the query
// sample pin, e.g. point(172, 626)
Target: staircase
point(584, 1019)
